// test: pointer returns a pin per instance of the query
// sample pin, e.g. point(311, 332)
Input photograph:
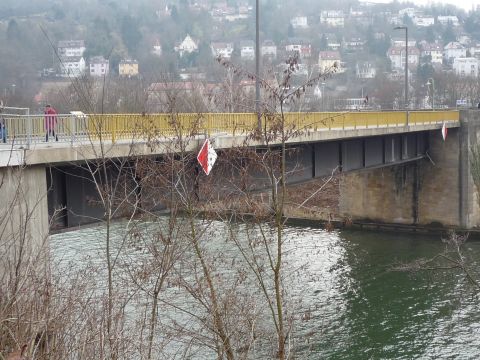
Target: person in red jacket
point(50, 122)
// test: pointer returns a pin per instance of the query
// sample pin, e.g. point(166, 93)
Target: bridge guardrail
point(28, 129)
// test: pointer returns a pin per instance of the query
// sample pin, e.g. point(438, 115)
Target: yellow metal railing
point(113, 127)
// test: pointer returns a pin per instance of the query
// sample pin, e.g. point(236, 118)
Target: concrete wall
point(23, 215)
point(469, 197)
point(378, 195)
point(439, 198)
point(435, 191)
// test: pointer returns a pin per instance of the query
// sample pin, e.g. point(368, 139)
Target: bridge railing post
point(29, 120)
point(73, 129)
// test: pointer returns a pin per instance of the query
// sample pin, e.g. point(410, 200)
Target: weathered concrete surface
point(57, 153)
point(439, 194)
point(378, 195)
point(469, 197)
point(23, 215)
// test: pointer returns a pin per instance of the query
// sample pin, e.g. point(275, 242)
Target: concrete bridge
point(407, 173)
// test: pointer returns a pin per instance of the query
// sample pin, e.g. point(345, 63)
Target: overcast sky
point(464, 4)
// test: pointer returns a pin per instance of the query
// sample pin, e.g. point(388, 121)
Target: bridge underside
point(74, 191)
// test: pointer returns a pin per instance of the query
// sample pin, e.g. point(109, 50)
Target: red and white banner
point(444, 132)
point(206, 157)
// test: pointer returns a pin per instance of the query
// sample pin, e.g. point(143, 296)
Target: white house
point(187, 46)
point(365, 70)
point(72, 66)
point(410, 12)
point(334, 18)
point(399, 42)
point(71, 48)
point(329, 59)
point(299, 22)
point(269, 49)
point(99, 66)
point(302, 47)
point(423, 21)
point(467, 66)
point(435, 51)
point(454, 50)
point(396, 54)
point(157, 48)
point(448, 19)
point(247, 50)
point(221, 49)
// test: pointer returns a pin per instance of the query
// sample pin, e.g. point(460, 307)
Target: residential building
point(475, 50)
point(247, 50)
point(365, 70)
point(454, 50)
point(410, 12)
point(334, 18)
point(72, 66)
point(329, 59)
point(187, 46)
point(464, 39)
point(269, 49)
point(222, 49)
point(396, 54)
point(435, 51)
point(467, 66)
point(302, 47)
point(423, 21)
point(99, 66)
point(71, 48)
point(299, 22)
point(354, 44)
point(400, 41)
point(128, 68)
point(448, 19)
point(157, 48)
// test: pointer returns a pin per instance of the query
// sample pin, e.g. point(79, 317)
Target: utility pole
point(257, 63)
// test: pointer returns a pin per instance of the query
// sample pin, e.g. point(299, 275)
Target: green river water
point(359, 308)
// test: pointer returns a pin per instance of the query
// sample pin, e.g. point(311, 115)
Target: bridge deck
point(26, 130)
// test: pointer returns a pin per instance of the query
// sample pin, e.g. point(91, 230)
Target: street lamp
point(406, 64)
point(432, 83)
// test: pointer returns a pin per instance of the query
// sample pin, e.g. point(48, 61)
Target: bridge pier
point(437, 190)
point(24, 223)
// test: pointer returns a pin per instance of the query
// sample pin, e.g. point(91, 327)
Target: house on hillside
point(222, 49)
point(328, 60)
point(365, 70)
point(99, 66)
point(128, 68)
point(300, 46)
point(454, 50)
point(424, 21)
point(333, 18)
point(71, 48)
point(157, 48)
point(448, 19)
point(247, 50)
point(434, 50)
point(187, 46)
point(467, 66)
point(269, 49)
point(72, 66)
point(396, 54)
point(299, 22)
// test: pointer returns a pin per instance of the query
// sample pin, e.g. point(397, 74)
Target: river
point(358, 308)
